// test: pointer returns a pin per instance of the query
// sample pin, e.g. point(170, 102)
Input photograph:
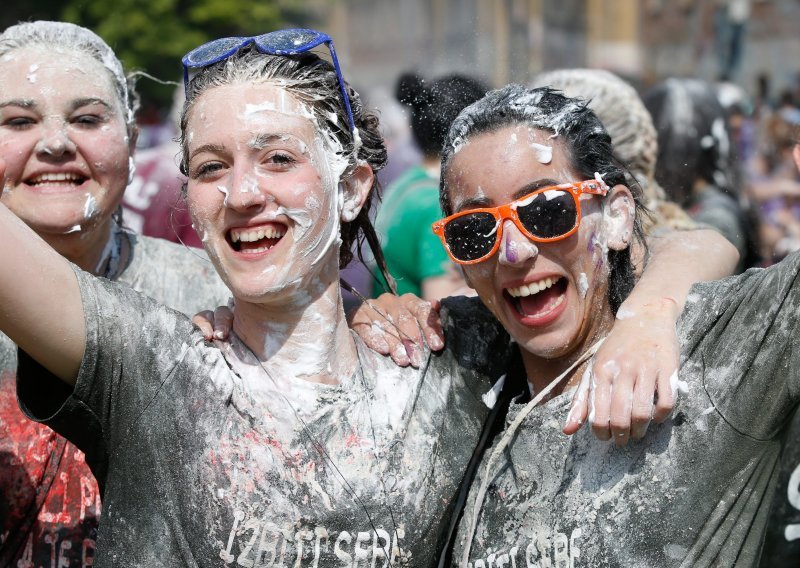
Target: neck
point(308, 340)
point(542, 371)
point(83, 248)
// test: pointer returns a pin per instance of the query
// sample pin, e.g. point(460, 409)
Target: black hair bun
point(411, 91)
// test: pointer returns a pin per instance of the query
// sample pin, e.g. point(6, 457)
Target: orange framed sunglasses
point(546, 215)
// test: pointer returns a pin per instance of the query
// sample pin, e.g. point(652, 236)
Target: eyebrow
point(213, 148)
point(482, 202)
point(24, 103)
point(78, 103)
point(260, 141)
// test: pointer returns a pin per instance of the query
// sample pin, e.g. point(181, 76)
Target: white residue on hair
point(544, 153)
point(583, 285)
point(32, 72)
point(224, 190)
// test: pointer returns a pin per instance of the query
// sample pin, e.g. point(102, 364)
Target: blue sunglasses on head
point(280, 42)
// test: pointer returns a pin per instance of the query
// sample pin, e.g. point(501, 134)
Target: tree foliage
point(152, 35)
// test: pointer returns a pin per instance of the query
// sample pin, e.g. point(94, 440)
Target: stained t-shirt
point(211, 461)
point(34, 460)
point(782, 541)
point(696, 490)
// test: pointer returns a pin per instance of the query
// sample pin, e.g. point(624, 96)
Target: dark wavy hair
point(435, 104)
point(313, 81)
point(584, 137)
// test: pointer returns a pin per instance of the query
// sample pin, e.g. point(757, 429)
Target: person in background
point(695, 164)
point(67, 137)
point(413, 254)
point(152, 204)
point(622, 112)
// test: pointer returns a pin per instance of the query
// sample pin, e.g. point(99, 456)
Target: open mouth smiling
point(538, 302)
point(257, 239)
point(67, 180)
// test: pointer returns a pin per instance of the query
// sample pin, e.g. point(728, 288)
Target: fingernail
point(399, 355)
point(435, 342)
point(218, 334)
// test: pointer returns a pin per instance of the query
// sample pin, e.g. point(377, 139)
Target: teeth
point(532, 288)
point(44, 178)
point(252, 235)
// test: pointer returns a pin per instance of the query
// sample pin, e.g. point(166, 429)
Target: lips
point(255, 239)
point(56, 181)
point(540, 302)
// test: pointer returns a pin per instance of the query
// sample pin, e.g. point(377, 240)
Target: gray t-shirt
point(49, 501)
point(210, 461)
point(696, 490)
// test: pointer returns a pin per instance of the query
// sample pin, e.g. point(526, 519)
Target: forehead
point(495, 165)
point(249, 108)
point(49, 74)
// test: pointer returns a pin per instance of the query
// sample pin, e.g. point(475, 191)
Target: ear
point(356, 191)
point(618, 218)
point(796, 154)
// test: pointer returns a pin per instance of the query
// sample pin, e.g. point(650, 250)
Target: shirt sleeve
point(742, 336)
point(133, 345)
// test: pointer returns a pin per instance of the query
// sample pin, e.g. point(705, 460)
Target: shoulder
point(472, 333)
point(173, 274)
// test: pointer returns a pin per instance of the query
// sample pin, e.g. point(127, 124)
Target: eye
point(280, 160)
point(205, 170)
point(19, 122)
point(88, 120)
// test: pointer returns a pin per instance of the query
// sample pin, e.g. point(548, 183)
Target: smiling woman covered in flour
point(67, 136)
point(696, 489)
point(292, 444)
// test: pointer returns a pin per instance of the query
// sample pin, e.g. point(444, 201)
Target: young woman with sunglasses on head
point(67, 135)
point(544, 236)
point(293, 444)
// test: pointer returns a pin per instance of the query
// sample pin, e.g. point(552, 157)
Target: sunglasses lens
point(471, 237)
point(288, 41)
point(212, 51)
point(549, 214)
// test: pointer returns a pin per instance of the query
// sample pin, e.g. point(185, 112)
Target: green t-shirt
point(413, 253)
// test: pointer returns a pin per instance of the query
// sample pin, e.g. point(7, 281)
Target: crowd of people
point(601, 382)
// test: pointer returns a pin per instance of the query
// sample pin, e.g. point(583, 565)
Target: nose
point(244, 194)
point(516, 248)
point(55, 140)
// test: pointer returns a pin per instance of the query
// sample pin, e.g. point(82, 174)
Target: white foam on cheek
point(300, 217)
point(90, 207)
point(583, 284)
point(224, 190)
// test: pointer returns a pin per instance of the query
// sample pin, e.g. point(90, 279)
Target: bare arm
point(640, 355)
point(41, 303)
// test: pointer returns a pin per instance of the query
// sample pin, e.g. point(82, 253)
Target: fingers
point(223, 322)
point(580, 405)
point(622, 396)
point(203, 320)
point(667, 388)
point(428, 319)
point(600, 399)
